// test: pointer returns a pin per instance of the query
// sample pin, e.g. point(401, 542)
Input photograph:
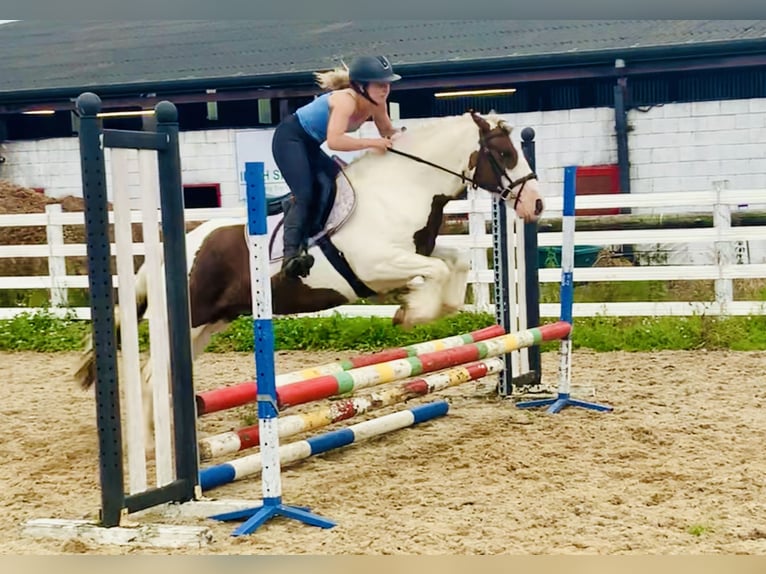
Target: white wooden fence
point(722, 236)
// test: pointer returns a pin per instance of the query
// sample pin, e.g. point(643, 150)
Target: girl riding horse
point(357, 95)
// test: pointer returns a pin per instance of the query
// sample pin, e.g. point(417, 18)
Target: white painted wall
point(685, 147)
point(673, 147)
point(54, 164)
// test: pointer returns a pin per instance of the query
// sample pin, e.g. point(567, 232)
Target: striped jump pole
point(341, 383)
point(244, 393)
point(226, 473)
point(242, 439)
point(564, 399)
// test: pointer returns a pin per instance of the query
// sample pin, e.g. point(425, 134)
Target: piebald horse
point(384, 244)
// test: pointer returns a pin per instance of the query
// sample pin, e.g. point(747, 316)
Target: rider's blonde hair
point(336, 79)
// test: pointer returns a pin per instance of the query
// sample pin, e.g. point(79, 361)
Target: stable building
point(616, 97)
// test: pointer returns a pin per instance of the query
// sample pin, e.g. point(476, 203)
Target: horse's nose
point(538, 206)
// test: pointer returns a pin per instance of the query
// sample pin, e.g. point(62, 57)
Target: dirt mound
point(18, 199)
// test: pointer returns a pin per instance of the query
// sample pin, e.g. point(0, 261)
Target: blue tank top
point(314, 117)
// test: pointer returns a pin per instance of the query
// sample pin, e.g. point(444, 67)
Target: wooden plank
point(158, 318)
point(486, 276)
point(200, 508)
point(129, 359)
point(154, 535)
point(627, 221)
point(67, 250)
point(624, 309)
point(627, 309)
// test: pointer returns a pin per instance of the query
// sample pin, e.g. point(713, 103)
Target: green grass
point(699, 529)
point(43, 331)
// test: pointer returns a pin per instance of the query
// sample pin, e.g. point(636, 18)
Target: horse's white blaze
point(525, 207)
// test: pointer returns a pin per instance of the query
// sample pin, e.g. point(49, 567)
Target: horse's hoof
point(448, 310)
point(402, 320)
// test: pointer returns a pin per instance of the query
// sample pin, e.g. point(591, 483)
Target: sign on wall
point(255, 146)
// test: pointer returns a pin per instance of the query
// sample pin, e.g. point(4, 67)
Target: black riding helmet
point(372, 69)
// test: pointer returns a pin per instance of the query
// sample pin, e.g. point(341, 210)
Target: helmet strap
point(362, 90)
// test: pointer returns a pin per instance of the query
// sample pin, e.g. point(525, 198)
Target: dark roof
point(40, 57)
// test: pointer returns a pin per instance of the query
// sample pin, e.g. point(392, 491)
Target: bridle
point(500, 174)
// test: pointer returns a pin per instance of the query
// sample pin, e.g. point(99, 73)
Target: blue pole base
point(256, 517)
point(557, 404)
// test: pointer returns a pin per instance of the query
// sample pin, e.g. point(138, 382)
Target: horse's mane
point(413, 133)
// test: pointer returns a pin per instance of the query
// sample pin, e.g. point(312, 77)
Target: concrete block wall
point(210, 157)
point(567, 137)
point(674, 147)
point(54, 164)
point(687, 147)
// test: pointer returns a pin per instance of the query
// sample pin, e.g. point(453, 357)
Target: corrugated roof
point(44, 55)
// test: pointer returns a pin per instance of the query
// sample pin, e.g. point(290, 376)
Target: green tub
point(585, 256)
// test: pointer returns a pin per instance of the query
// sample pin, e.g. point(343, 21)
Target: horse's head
point(500, 168)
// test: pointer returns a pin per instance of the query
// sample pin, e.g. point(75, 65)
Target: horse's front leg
point(424, 278)
point(459, 263)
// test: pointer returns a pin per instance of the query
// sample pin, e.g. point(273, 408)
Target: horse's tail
point(85, 374)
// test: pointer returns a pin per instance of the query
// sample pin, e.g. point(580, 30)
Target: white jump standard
point(564, 399)
point(268, 412)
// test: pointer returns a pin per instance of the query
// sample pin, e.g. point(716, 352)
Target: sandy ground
point(678, 467)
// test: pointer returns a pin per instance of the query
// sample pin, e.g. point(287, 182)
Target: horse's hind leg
point(200, 337)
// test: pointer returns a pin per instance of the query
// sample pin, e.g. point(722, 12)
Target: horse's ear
point(473, 159)
point(480, 121)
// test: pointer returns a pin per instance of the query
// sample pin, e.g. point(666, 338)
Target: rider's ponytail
point(336, 79)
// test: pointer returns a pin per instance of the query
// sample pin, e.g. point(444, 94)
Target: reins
point(462, 176)
point(500, 173)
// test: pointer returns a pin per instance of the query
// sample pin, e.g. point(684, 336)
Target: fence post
point(477, 228)
point(724, 250)
point(532, 274)
point(56, 263)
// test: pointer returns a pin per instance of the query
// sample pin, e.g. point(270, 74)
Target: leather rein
point(498, 170)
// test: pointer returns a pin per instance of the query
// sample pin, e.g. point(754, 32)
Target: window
point(197, 195)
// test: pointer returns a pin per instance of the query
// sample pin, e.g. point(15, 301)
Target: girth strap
point(338, 260)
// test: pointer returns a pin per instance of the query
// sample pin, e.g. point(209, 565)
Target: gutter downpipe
point(621, 106)
point(621, 126)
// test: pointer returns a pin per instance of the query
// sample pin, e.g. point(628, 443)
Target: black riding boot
point(296, 262)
